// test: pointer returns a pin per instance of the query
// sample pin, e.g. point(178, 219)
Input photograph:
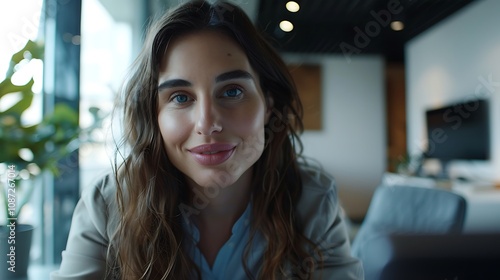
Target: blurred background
point(368, 71)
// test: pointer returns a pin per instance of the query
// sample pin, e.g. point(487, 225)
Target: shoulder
point(98, 203)
point(102, 186)
point(91, 229)
point(317, 185)
point(103, 191)
point(318, 205)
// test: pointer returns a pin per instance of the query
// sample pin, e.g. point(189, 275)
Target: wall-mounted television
point(459, 131)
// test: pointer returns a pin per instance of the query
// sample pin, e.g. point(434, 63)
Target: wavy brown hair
point(147, 244)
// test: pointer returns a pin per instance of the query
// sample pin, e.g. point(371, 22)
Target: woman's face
point(212, 110)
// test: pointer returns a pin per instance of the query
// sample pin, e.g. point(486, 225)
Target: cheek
point(247, 123)
point(249, 126)
point(173, 129)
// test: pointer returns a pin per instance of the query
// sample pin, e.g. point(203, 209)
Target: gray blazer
point(94, 222)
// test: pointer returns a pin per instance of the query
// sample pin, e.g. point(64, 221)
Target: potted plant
point(408, 165)
point(26, 152)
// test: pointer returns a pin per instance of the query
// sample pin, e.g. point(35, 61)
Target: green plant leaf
point(64, 114)
point(7, 87)
point(55, 137)
point(25, 102)
point(33, 49)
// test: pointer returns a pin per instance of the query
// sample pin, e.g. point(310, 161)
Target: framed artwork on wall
point(307, 78)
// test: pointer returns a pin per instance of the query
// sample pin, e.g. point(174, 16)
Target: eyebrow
point(231, 75)
point(174, 83)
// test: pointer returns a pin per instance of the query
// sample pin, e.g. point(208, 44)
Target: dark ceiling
point(335, 26)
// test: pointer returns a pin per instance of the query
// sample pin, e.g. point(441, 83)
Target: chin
point(219, 179)
point(212, 184)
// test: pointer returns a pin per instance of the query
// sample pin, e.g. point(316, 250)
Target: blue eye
point(233, 92)
point(181, 98)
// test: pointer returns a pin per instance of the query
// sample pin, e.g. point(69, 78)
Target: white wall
point(352, 143)
point(451, 63)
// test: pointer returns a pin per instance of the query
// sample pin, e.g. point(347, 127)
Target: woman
point(210, 187)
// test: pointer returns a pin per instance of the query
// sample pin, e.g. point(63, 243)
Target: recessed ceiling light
point(397, 25)
point(292, 6)
point(286, 26)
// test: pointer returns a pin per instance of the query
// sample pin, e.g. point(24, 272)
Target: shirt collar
point(238, 228)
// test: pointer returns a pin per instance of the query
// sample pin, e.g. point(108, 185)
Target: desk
point(483, 200)
point(483, 208)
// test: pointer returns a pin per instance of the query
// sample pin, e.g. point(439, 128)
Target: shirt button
point(231, 245)
point(247, 222)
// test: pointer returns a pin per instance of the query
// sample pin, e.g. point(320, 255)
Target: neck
point(223, 204)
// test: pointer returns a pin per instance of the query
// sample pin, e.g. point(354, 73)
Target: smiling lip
point(212, 154)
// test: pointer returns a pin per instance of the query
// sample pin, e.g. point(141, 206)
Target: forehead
point(208, 50)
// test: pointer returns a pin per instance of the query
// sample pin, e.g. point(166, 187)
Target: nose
point(209, 119)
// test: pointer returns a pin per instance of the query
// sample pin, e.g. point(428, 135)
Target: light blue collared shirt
point(96, 218)
point(228, 263)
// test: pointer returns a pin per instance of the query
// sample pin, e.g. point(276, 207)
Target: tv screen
point(459, 131)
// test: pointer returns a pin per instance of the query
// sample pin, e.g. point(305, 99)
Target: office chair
point(405, 210)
